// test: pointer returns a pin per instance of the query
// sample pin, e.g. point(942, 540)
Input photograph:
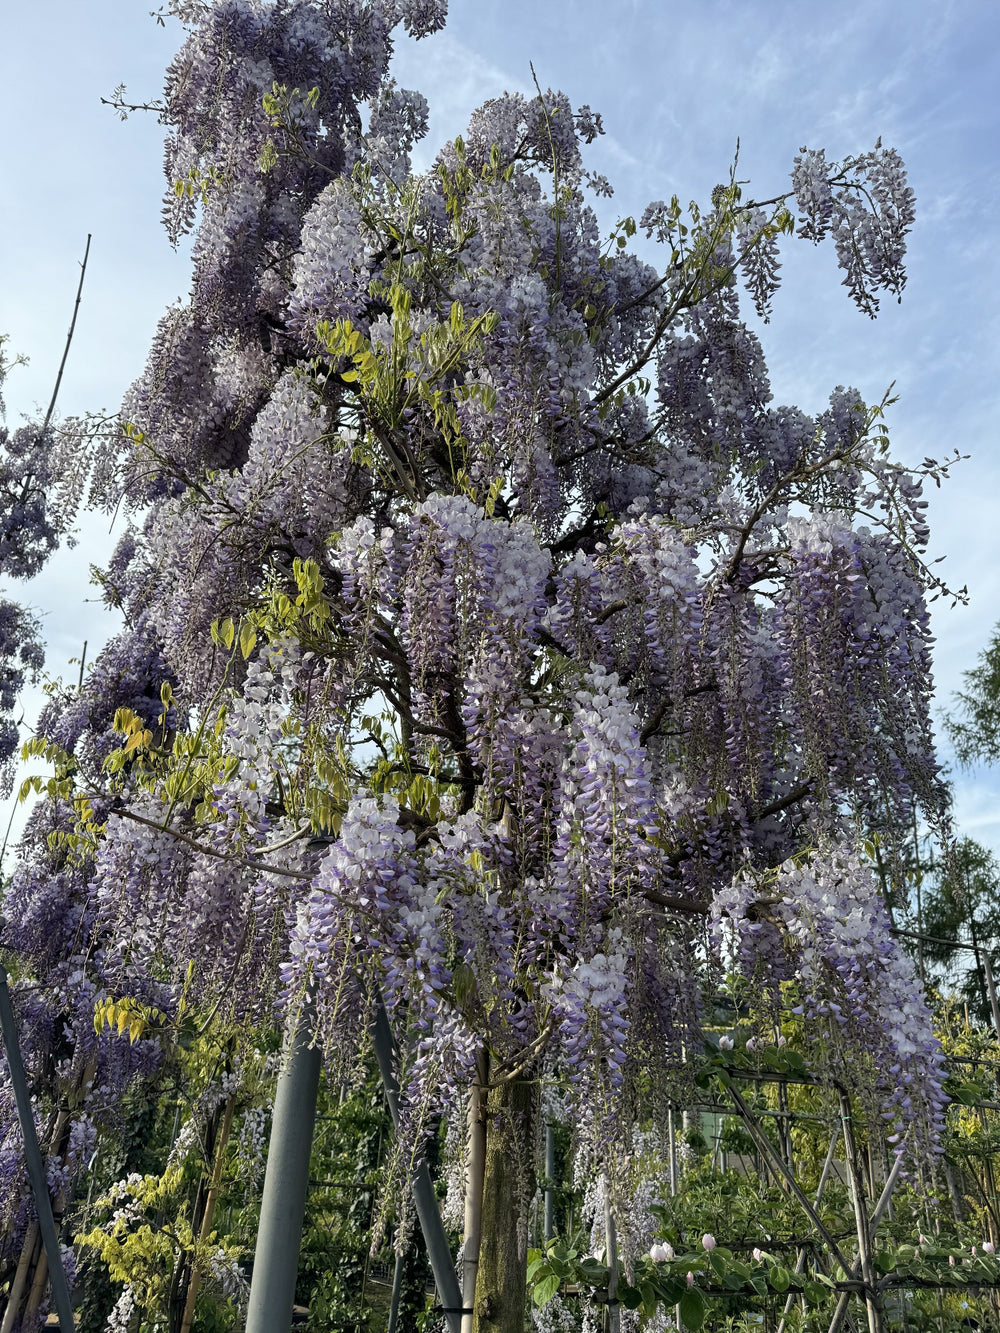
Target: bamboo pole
point(20, 1279)
point(869, 1226)
point(991, 988)
point(876, 1218)
point(672, 1136)
point(765, 1146)
point(860, 1219)
point(55, 1139)
point(548, 1225)
point(800, 1261)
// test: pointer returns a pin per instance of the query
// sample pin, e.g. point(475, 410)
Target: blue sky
point(676, 85)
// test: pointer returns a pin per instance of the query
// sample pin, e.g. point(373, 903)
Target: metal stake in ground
point(548, 1228)
point(33, 1159)
point(286, 1182)
point(424, 1198)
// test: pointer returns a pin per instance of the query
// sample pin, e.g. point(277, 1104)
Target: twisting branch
point(69, 339)
point(653, 725)
point(231, 857)
point(792, 798)
point(508, 1072)
point(117, 100)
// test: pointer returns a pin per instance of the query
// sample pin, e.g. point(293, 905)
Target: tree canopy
point(494, 647)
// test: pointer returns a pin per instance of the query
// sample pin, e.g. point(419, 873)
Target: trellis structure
point(864, 1275)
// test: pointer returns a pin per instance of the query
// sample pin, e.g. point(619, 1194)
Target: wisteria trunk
point(508, 1187)
point(476, 1167)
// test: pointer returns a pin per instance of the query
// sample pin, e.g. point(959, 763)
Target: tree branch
point(69, 339)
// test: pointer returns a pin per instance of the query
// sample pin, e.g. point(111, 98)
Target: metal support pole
point(613, 1317)
point(397, 1292)
point(33, 1160)
point(286, 1182)
point(984, 954)
point(424, 1198)
point(550, 1173)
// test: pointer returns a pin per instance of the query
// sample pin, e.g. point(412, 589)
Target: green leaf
point(671, 1289)
point(692, 1309)
point(594, 1271)
point(248, 637)
point(647, 1291)
point(537, 1263)
point(629, 1296)
point(778, 1277)
point(718, 1263)
point(543, 1291)
point(966, 1093)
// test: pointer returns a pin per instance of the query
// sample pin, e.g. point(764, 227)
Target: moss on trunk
point(508, 1188)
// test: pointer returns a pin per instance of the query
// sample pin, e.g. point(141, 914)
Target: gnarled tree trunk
point(508, 1188)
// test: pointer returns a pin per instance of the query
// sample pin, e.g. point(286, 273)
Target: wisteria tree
point(495, 650)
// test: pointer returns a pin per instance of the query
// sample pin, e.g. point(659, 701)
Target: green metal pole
point(424, 1198)
point(548, 1225)
point(286, 1182)
point(33, 1160)
point(397, 1292)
